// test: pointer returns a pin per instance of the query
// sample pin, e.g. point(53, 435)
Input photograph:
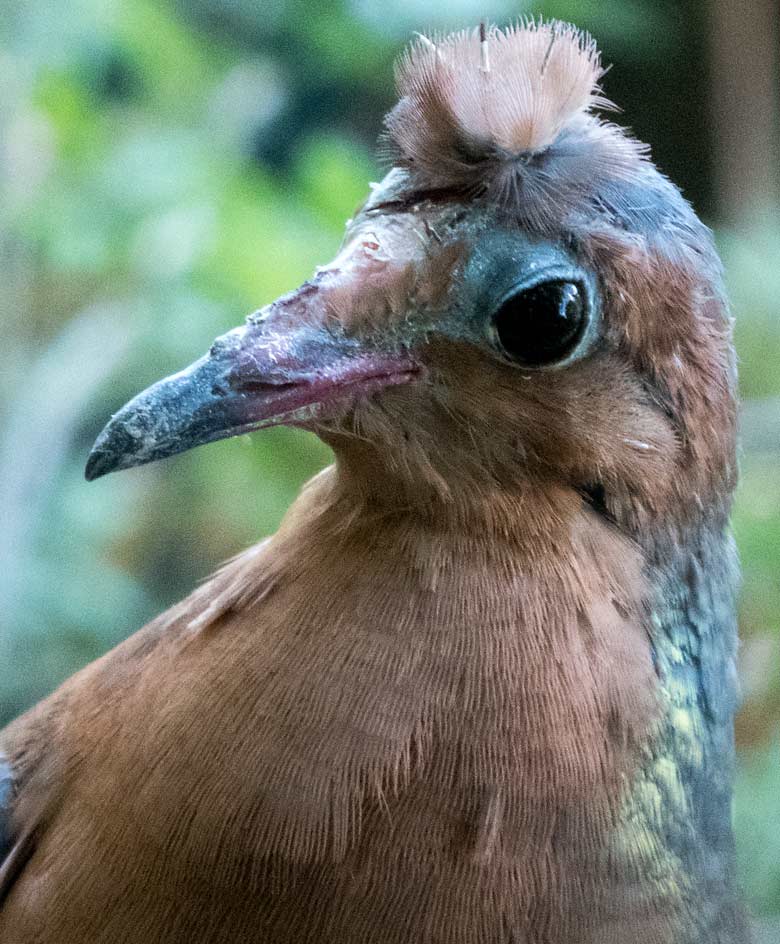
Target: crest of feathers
point(507, 112)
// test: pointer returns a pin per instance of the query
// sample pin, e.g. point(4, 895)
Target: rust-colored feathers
point(370, 752)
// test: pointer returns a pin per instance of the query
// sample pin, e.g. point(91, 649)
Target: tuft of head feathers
point(484, 110)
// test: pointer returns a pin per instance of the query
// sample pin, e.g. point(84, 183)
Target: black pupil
point(541, 325)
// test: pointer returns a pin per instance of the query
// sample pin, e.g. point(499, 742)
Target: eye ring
point(542, 324)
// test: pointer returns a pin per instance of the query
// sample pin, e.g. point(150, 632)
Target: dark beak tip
point(110, 451)
point(98, 464)
point(117, 446)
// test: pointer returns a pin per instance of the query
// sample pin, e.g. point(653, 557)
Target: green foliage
point(168, 167)
point(759, 840)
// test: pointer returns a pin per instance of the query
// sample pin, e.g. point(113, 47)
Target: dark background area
point(167, 167)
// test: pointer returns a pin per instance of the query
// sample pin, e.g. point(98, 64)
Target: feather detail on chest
point(502, 696)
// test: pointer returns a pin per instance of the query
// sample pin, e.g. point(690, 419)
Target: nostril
point(258, 317)
point(225, 343)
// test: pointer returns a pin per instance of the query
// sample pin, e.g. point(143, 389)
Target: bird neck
point(573, 683)
point(462, 502)
point(676, 823)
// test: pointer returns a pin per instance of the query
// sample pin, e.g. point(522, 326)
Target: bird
point(479, 687)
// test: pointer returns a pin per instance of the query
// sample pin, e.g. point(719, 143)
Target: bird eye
point(541, 325)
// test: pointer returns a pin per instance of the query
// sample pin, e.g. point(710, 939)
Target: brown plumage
point(479, 685)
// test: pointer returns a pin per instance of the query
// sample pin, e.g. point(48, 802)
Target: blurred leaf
point(331, 175)
point(752, 260)
point(758, 839)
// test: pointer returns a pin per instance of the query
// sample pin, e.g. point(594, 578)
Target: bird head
point(524, 302)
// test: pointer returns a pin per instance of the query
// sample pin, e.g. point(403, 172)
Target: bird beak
point(255, 376)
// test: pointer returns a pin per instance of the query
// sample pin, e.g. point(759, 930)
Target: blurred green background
point(166, 167)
